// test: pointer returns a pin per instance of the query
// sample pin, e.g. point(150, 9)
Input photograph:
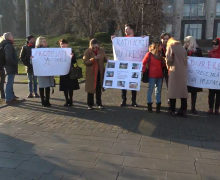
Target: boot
point(149, 106)
point(48, 97)
point(158, 107)
point(134, 104)
point(123, 103)
point(70, 102)
point(210, 111)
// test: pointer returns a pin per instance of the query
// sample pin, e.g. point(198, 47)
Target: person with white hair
point(10, 65)
point(192, 50)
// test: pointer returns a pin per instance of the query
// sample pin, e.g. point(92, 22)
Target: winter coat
point(92, 68)
point(176, 60)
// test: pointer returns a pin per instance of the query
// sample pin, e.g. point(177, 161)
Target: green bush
point(103, 37)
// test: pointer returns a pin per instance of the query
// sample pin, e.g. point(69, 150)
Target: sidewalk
point(111, 144)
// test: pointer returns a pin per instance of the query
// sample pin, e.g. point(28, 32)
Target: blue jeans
point(9, 93)
point(154, 82)
point(32, 80)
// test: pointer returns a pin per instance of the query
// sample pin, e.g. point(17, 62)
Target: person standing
point(11, 66)
point(214, 94)
point(129, 32)
point(176, 61)
point(192, 50)
point(2, 74)
point(68, 85)
point(164, 39)
point(94, 59)
point(45, 82)
point(25, 55)
point(155, 63)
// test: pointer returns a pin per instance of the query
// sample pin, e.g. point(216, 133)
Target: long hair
point(154, 48)
point(39, 41)
point(172, 41)
point(192, 43)
point(92, 42)
point(1, 38)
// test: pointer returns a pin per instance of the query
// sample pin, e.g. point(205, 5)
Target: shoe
point(134, 104)
point(66, 104)
point(194, 111)
point(48, 104)
point(70, 103)
point(100, 107)
point(30, 95)
point(9, 102)
point(16, 97)
point(43, 103)
point(182, 113)
point(172, 114)
point(158, 107)
point(210, 111)
point(149, 107)
point(90, 108)
point(123, 103)
point(36, 95)
point(217, 112)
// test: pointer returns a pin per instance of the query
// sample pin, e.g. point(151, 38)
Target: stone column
point(210, 17)
point(178, 16)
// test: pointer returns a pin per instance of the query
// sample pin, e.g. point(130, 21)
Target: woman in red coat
point(214, 94)
point(155, 62)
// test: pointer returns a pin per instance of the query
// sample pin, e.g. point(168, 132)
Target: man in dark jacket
point(25, 58)
point(11, 66)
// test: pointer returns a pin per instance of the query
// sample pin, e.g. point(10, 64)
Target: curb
point(80, 82)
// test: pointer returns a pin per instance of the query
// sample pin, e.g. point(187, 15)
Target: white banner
point(204, 72)
point(123, 75)
point(130, 48)
point(51, 61)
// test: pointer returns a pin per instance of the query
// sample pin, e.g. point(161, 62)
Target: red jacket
point(215, 53)
point(155, 66)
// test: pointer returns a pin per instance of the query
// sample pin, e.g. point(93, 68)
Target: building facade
point(198, 18)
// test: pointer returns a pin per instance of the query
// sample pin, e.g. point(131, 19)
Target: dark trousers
point(183, 104)
point(166, 77)
point(193, 100)
point(124, 95)
point(214, 98)
point(90, 96)
point(2, 83)
point(47, 93)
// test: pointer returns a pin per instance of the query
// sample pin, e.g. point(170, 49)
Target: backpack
point(2, 57)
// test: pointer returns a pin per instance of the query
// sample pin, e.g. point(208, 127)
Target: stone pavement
point(72, 143)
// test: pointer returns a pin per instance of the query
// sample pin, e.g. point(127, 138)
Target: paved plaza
point(72, 143)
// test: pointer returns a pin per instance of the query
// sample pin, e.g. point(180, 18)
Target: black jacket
point(11, 66)
point(25, 56)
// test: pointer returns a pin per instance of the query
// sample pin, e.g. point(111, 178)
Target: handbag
point(75, 72)
point(145, 76)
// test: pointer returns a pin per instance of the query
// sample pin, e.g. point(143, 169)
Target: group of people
point(165, 61)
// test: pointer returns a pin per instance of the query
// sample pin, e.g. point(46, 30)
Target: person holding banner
point(94, 59)
point(67, 85)
point(176, 61)
point(45, 82)
point(155, 63)
point(129, 32)
point(192, 50)
point(214, 94)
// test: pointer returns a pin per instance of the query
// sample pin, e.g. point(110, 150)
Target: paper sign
point(204, 72)
point(123, 75)
point(130, 48)
point(51, 61)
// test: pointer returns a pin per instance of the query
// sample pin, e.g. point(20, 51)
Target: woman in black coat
point(68, 85)
point(193, 50)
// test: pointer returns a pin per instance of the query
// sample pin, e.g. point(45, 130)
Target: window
point(218, 8)
point(194, 30)
point(194, 8)
point(168, 7)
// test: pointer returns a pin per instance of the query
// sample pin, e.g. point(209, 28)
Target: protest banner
point(51, 61)
point(204, 72)
point(123, 75)
point(130, 48)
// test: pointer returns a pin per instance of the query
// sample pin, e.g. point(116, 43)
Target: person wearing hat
point(25, 58)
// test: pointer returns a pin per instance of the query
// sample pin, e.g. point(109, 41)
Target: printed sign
point(130, 48)
point(204, 72)
point(123, 75)
point(51, 61)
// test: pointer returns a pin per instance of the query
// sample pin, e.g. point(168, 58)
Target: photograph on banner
point(123, 75)
point(51, 61)
point(204, 72)
point(130, 48)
